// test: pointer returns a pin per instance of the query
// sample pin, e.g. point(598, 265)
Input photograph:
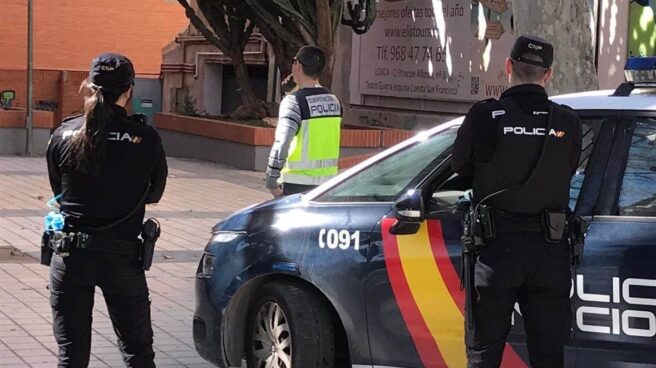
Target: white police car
point(322, 280)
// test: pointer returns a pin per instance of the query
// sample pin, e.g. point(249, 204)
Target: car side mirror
point(410, 213)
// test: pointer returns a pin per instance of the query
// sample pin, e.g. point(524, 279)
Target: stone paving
point(198, 195)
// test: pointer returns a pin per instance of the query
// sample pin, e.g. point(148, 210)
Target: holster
point(149, 235)
point(576, 231)
point(555, 226)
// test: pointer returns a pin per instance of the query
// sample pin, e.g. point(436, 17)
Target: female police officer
point(106, 167)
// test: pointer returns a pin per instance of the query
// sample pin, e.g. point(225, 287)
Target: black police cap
point(533, 46)
point(111, 71)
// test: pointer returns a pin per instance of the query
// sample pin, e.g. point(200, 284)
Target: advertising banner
point(436, 50)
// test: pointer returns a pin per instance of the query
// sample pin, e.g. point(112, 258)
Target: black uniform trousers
point(291, 188)
point(521, 268)
point(122, 280)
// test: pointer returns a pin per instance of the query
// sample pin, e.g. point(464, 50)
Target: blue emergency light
point(641, 69)
point(640, 72)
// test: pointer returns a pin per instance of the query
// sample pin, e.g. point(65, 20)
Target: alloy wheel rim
point(272, 339)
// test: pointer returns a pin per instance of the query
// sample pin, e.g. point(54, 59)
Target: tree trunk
point(252, 107)
point(566, 24)
point(283, 59)
point(326, 39)
point(230, 35)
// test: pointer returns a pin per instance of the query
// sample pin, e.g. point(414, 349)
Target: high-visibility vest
point(314, 151)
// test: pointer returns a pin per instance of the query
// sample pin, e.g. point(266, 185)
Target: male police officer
point(106, 167)
point(306, 148)
point(522, 152)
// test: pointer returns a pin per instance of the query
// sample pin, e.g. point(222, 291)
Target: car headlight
point(207, 265)
point(226, 236)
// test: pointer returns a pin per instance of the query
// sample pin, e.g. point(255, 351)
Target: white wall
point(613, 42)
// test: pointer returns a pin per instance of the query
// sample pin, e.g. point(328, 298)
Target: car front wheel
point(289, 327)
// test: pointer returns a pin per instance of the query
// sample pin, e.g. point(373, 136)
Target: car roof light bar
point(640, 72)
point(641, 69)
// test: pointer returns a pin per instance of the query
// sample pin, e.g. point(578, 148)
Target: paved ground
point(198, 194)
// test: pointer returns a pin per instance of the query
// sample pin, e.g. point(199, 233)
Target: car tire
point(290, 325)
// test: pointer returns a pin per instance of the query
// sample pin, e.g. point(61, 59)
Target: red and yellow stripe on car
point(426, 287)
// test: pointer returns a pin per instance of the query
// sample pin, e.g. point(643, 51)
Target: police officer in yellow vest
point(306, 148)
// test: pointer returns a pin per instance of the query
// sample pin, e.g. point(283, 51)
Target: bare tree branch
point(307, 11)
point(301, 22)
point(272, 22)
point(249, 30)
point(307, 37)
point(216, 16)
point(200, 26)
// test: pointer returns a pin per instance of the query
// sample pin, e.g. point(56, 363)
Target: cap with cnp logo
point(111, 71)
point(532, 46)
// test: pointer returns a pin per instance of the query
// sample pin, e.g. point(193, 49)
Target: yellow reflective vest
point(314, 151)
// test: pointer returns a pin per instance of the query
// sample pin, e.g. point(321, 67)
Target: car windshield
point(386, 179)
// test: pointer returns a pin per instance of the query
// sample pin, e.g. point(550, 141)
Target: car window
point(590, 129)
point(638, 193)
point(385, 180)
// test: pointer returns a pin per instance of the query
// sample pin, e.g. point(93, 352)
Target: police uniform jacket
point(135, 162)
point(499, 144)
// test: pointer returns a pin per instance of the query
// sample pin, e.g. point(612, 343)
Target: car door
point(415, 304)
point(615, 291)
point(339, 222)
point(422, 279)
point(414, 299)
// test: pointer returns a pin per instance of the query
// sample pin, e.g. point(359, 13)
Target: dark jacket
point(499, 144)
point(135, 161)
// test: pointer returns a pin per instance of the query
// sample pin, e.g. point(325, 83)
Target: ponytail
point(89, 145)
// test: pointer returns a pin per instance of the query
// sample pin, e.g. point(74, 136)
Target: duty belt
point(94, 243)
point(511, 222)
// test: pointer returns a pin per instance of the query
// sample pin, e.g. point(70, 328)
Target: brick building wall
point(46, 85)
point(70, 98)
point(54, 90)
point(69, 33)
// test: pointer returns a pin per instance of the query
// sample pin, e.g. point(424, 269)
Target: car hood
point(259, 215)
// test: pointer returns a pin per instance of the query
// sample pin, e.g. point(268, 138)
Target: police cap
point(533, 46)
point(111, 71)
